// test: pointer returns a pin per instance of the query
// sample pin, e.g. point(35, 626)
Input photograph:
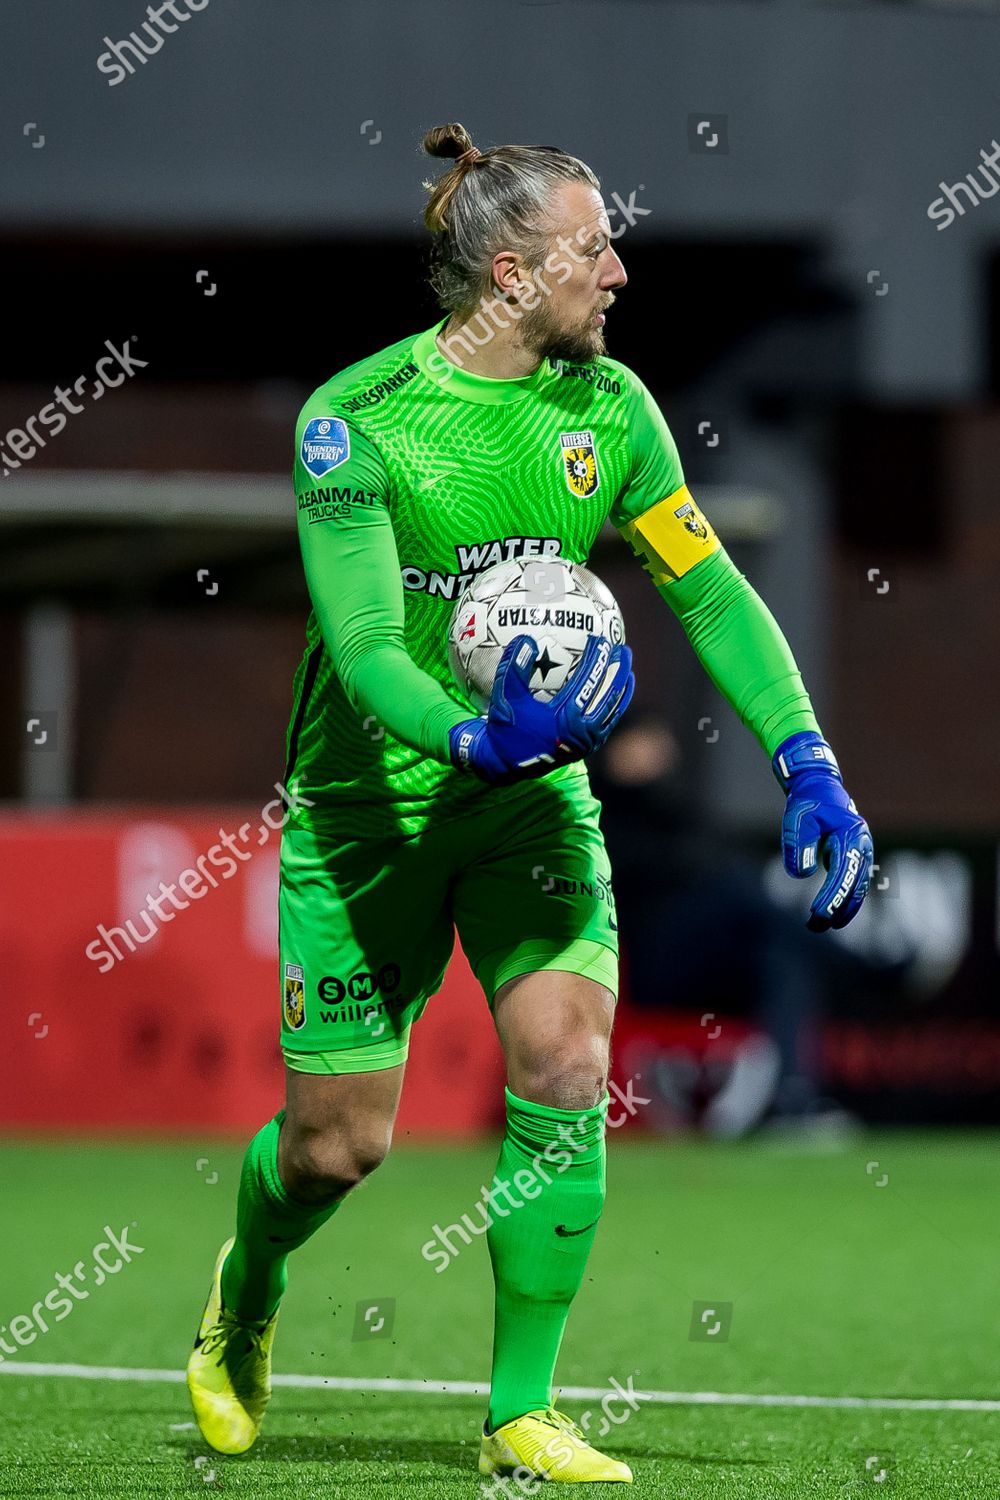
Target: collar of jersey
point(469, 387)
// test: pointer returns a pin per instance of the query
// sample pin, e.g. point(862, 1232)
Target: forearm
point(354, 583)
point(742, 648)
point(381, 679)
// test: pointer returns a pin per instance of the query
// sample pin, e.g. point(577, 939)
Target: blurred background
point(231, 214)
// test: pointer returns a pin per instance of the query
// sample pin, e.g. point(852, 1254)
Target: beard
point(548, 339)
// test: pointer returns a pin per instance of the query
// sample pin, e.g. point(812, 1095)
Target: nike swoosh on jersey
point(425, 484)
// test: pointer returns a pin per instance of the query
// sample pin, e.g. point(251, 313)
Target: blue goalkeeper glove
point(822, 822)
point(520, 737)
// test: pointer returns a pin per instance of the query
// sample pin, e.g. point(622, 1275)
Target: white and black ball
point(559, 604)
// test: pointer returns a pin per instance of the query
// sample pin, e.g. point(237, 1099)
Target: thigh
point(320, 1105)
point(535, 894)
point(337, 1127)
point(365, 937)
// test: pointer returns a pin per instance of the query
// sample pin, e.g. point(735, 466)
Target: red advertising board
point(180, 1031)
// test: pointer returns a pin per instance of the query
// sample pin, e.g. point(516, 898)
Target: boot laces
point(227, 1328)
point(565, 1424)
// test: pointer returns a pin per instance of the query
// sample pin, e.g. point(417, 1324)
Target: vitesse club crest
point(692, 521)
point(295, 997)
point(580, 462)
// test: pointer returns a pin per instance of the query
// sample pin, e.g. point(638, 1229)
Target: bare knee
point(555, 1029)
point(574, 1078)
point(319, 1166)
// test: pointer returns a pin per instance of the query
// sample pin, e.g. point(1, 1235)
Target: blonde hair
point(485, 202)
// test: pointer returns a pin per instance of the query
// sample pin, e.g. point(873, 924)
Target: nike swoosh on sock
point(565, 1233)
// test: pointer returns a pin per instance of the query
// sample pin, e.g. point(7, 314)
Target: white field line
point(479, 1388)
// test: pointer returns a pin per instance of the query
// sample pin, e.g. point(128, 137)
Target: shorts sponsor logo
point(580, 463)
point(325, 445)
point(595, 890)
point(598, 889)
point(389, 977)
point(363, 1014)
point(362, 986)
point(295, 997)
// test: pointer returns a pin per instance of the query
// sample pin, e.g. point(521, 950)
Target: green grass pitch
point(845, 1279)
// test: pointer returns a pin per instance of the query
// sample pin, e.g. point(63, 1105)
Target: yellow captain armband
point(671, 537)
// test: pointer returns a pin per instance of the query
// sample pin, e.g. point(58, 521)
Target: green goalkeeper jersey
point(412, 475)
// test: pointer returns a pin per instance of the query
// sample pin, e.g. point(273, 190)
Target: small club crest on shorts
point(295, 997)
point(580, 462)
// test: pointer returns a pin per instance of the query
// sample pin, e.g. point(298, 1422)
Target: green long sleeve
point(354, 582)
point(742, 648)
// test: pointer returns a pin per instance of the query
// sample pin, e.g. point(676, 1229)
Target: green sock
point(537, 1270)
point(255, 1272)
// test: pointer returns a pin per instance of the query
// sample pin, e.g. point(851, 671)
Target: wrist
point(806, 751)
point(463, 742)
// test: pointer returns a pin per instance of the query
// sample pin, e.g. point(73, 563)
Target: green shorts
point(367, 926)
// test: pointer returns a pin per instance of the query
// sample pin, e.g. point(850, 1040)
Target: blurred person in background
point(703, 939)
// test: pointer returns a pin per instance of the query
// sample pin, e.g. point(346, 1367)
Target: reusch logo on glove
point(595, 675)
point(853, 865)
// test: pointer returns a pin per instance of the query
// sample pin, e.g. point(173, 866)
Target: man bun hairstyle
point(485, 202)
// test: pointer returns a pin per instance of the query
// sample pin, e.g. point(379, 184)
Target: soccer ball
point(558, 603)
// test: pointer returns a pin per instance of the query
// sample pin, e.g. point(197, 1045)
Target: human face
point(581, 273)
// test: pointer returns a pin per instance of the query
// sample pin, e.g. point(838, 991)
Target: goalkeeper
point(503, 431)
